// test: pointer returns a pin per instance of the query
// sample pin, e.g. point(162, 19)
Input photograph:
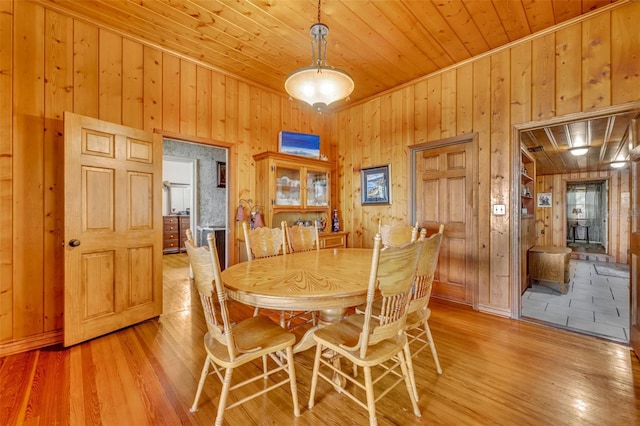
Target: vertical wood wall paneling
point(568, 70)
point(152, 89)
point(371, 150)
point(614, 219)
point(464, 99)
point(58, 99)
point(434, 107)
point(203, 102)
point(85, 69)
point(132, 84)
point(218, 106)
point(482, 125)
point(28, 172)
point(449, 107)
point(500, 174)
point(110, 77)
point(543, 77)
point(596, 62)
point(170, 93)
point(188, 95)
point(420, 112)
point(393, 147)
point(6, 172)
point(625, 55)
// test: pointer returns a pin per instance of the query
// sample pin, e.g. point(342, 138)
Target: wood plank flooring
point(496, 372)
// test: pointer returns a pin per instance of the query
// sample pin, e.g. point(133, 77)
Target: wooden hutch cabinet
point(295, 188)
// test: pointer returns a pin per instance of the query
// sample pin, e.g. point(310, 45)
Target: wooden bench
point(550, 264)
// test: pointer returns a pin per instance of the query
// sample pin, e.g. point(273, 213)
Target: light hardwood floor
point(496, 372)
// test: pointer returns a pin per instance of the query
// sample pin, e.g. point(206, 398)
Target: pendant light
point(319, 84)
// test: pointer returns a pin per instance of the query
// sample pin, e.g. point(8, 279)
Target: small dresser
point(173, 237)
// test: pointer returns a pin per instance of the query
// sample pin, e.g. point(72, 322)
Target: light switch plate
point(499, 209)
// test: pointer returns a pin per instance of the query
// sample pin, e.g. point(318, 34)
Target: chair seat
point(347, 333)
point(256, 335)
point(416, 319)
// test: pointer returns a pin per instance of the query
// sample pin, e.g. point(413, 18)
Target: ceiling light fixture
point(579, 151)
point(618, 164)
point(319, 84)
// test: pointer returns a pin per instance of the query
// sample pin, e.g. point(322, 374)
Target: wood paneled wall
point(554, 220)
point(51, 63)
point(582, 66)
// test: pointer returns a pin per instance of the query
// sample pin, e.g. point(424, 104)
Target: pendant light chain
point(319, 10)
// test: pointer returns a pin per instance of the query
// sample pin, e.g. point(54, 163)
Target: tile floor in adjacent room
point(596, 303)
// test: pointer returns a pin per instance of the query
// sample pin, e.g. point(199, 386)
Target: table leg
point(326, 317)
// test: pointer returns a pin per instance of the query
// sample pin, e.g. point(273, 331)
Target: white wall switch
point(499, 209)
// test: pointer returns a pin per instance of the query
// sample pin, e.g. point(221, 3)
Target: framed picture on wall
point(544, 199)
point(222, 174)
point(376, 184)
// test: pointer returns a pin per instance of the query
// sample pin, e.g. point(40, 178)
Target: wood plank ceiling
point(381, 44)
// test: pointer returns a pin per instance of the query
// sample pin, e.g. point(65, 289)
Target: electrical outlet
point(499, 209)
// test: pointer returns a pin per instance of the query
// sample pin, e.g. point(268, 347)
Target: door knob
point(74, 243)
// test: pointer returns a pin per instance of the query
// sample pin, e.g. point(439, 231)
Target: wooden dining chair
point(301, 238)
point(267, 242)
point(418, 313)
point(417, 325)
point(369, 341)
point(397, 235)
point(229, 347)
point(263, 242)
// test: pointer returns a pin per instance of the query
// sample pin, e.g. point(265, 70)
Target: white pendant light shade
point(319, 86)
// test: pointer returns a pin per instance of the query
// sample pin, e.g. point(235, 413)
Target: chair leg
point(292, 381)
point(264, 366)
point(407, 381)
point(314, 375)
point(203, 377)
point(412, 377)
point(371, 400)
point(434, 353)
point(224, 393)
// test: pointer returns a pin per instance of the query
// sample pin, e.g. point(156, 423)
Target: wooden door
point(635, 255)
point(444, 194)
point(113, 227)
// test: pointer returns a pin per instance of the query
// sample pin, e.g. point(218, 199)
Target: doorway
point(198, 179)
point(586, 212)
point(609, 137)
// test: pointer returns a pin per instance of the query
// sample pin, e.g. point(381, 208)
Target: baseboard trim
point(32, 342)
point(501, 312)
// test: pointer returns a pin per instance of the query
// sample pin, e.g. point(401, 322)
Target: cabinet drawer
point(170, 236)
point(332, 241)
point(170, 220)
point(171, 228)
point(170, 244)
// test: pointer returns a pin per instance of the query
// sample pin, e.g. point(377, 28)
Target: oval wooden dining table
point(328, 281)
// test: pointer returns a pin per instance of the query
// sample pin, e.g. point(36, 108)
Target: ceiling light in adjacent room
point(582, 150)
point(618, 164)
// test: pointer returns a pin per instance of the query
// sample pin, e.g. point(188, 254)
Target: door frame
point(231, 184)
point(440, 143)
point(514, 204)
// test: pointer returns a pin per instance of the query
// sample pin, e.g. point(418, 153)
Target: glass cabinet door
point(287, 186)
point(317, 193)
